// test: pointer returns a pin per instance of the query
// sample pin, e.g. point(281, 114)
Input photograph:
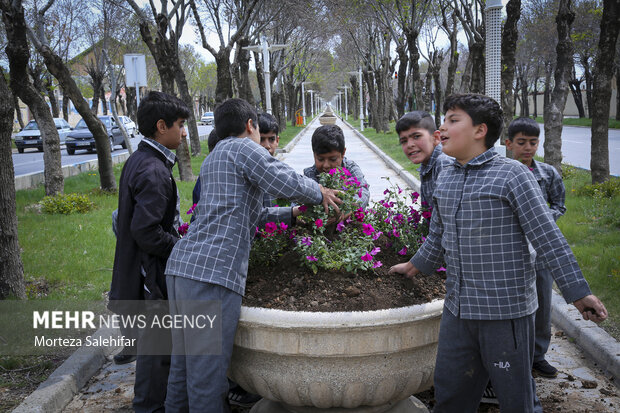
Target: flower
point(366, 257)
point(377, 264)
point(375, 251)
point(403, 251)
point(318, 223)
point(191, 210)
point(307, 241)
point(311, 258)
point(271, 227)
point(359, 214)
point(303, 208)
point(183, 228)
point(368, 229)
point(426, 214)
point(377, 235)
point(340, 226)
point(283, 226)
point(441, 269)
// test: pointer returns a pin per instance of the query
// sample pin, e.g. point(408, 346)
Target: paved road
point(32, 161)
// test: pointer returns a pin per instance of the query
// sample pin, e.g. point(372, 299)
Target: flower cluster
point(184, 227)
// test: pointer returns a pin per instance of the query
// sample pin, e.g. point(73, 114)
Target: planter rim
point(285, 318)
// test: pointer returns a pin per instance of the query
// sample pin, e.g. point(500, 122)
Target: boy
point(269, 129)
point(420, 142)
point(523, 142)
point(209, 264)
point(147, 210)
point(328, 149)
point(486, 208)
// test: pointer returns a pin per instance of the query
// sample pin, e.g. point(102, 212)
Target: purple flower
point(340, 226)
point(346, 172)
point(395, 233)
point(377, 264)
point(318, 223)
point(441, 269)
point(426, 214)
point(375, 250)
point(303, 208)
point(271, 227)
point(366, 257)
point(183, 228)
point(307, 241)
point(377, 235)
point(359, 214)
point(191, 210)
point(311, 258)
point(368, 229)
point(400, 191)
point(283, 226)
point(403, 251)
point(387, 191)
point(359, 193)
point(415, 196)
point(333, 171)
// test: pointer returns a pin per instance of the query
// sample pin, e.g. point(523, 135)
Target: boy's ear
point(344, 151)
point(161, 127)
point(481, 131)
point(508, 144)
point(436, 138)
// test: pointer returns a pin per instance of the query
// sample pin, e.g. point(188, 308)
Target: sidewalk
point(581, 386)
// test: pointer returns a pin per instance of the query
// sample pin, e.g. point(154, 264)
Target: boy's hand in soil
point(406, 268)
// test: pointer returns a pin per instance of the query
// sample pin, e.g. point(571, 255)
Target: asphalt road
point(32, 161)
point(575, 151)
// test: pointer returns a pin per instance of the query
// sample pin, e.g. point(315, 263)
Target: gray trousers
point(198, 383)
point(544, 283)
point(473, 351)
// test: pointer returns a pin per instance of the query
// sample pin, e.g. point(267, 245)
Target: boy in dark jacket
point(147, 210)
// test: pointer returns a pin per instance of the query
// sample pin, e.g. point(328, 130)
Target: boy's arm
point(430, 255)
point(556, 193)
point(276, 214)
point(152, 192)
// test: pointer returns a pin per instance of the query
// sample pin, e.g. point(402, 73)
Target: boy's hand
point(406, 268)
point(296, 212)
point(591, 308)
point(330, 197)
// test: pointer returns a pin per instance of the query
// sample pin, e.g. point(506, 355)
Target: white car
point(207, 118)
point(130, 125)
point(30, 136)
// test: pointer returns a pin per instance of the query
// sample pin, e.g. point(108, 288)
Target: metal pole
point(493, 52)
point(361, 101)
point(135, 68)
point(265, 47)
point(303, 102)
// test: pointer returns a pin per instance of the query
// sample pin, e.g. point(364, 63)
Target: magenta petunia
point(368, 229)
point(403, 251)
point(441, 269)
point(333, 171)
point(359, 193)
point(283, 226)
point(311, 258)
point(415, 196)
point(387, 191)
point(359, 214)
point(375, 251)
point(303, 208)
point(426, 214)
point(183, 228)
point(377, 235)
point(395, 233)
point(307, 241)
point(346, 172)
point(340, 226)
point(318, 223)
point(271, 227)
point(366, 257)
point(377, 264)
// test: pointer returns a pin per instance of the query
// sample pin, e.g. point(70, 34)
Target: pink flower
point(346, 172)
point(283, 226)
point(368, 229)
point(377, 235)
point(191, 210)
point(359, 193)
point(318, 223)
point(340, 226)
point(441, 269)
point(183, 228)
point(415, 196)
point(311, 258)
point(307, 241)
point(303, 208)
point(426, 214)
point(395, 233)
point(400, 191)
point(375, 250)
point(387, 191)
point(359, 214)
point(333, 171)
point(367, 257)
point(271, 227)
point(377, 264)
point(403, 251)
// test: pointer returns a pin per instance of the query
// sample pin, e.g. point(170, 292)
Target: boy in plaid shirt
point(523, 141)
point(486, 208)
point(208, 266)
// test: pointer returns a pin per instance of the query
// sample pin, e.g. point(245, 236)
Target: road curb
point(55, 393)
point(592, 339)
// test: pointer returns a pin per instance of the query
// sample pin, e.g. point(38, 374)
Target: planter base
point(410, 405)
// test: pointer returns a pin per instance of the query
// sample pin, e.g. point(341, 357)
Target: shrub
point(607, 189)
point(66, 204)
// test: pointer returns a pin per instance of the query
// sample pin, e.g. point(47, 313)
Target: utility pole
point(346, 103)
point(265, 48)
point(359, 74)
point(311, 101)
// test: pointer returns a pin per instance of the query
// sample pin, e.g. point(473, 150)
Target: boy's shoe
point(127, 355)
point(239, 397)
point(489, 395)
point(544, 369)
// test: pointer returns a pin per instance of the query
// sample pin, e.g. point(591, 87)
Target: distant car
point(30, 136)
point(130, 125)
point(82, 138)
point(207, 118)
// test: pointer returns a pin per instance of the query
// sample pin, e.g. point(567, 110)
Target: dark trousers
point(473, 351)
point(544, 283)
point(198, 382)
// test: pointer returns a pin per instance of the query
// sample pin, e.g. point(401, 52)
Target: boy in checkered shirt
point(486, 208)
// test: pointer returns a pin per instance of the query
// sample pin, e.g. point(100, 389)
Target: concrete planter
point(369, 361)
point(327, 120)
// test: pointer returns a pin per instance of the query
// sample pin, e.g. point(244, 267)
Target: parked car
point(82, 138)
point(130, 125)
point(207, 118)
point(30, 136)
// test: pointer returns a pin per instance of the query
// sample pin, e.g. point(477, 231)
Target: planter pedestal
point(410, 405)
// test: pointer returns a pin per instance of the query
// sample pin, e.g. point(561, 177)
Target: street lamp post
point(359, 74)
point(265, 48)
point(311, 101)
point(346, 102)
point(303, 100)
point(493, 52)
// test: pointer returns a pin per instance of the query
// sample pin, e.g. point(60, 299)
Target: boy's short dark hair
point(268, 123)
point(481, 109)
point(327, 138)
point(231, 116)
point(416, 119)
point(158, 105)
point(212, 140)
point(526, 126)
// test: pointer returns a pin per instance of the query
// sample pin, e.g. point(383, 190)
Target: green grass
point(590, 225)
point(613, 123)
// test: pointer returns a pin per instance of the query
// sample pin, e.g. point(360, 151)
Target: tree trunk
point(381, 122)
point(96, 84)
point(65, 107)
point(575, 88)
point(372, 97)
point(18, 53)
point(466, 78)
point(477, 70)
point(49, 87)
point(618, 92)
point(414, 67)
point(510, 35)
point(524, 93)
point(587, 75)
point(18, 112)
point(428, 86)
point(603, 72)
point(547, 91)
point(355, 96)
point(454, 56)
point(401, 96)
point(11, 267)
point(245, 90)
point(223, 90)
point(437, 60)
point(192, 125)
point(554, 112)
point(130, 94)
point(104, 102)
point(260, 77)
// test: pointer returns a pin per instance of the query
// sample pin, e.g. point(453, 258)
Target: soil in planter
point(289, 286)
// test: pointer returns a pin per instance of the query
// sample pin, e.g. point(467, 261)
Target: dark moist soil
point(290, 286)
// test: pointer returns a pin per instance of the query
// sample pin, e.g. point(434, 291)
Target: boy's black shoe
point(544, 369)
point(127, 355)
point(239, 397)
point(489, 395)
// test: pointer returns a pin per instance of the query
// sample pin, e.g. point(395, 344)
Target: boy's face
point(270, 141)
point(330, 160)
point(460, 138)
point(523, 147)
point(171, 137)
point(418, 144)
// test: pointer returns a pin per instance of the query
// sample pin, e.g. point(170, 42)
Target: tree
point(603, 73)
point(18, 52)
point(11, 267)
point(510, 35)
point(586, 31)
point(554, 111)
point(469, 13)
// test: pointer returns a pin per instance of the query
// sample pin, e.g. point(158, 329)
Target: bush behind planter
point(67, 204)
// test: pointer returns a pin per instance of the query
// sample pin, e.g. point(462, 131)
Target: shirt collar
point(424, 169)
point(483, 158)
point(168, 154)
point(535, 170)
